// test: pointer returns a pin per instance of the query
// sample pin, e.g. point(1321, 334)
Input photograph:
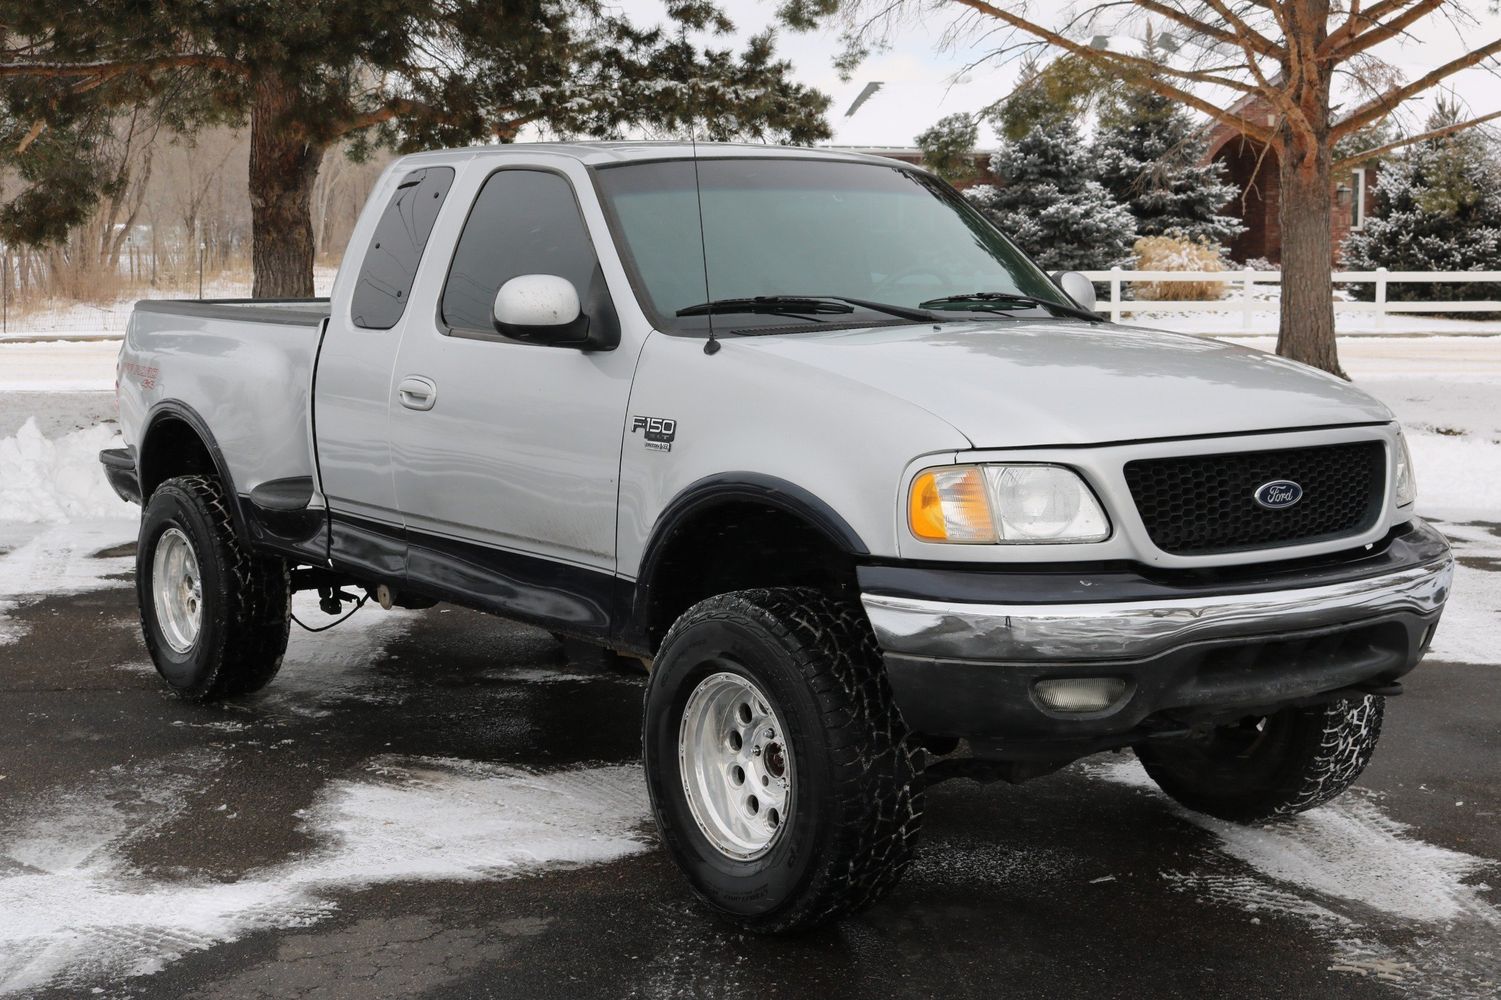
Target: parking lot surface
point(437, 804)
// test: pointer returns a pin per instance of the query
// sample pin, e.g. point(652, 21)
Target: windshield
point(804, 228)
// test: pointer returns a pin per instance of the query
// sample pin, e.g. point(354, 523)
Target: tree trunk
point(138, 199)
point(283, 167)
point(1306, 332)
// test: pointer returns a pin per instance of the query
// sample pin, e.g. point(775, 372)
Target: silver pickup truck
point(875, 500)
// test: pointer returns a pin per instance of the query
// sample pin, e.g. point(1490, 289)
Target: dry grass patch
point(1172, 253)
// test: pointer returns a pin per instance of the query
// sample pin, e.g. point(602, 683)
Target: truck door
point(352, 383)
point(506, 455)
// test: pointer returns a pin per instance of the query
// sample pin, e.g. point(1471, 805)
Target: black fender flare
point(172, 409)
point(712, 491)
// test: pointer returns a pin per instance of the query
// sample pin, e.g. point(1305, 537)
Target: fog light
point(1079, 694)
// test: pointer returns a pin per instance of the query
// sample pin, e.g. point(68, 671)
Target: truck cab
point(874, 500)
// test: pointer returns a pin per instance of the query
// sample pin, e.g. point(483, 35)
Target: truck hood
point(1011, 383)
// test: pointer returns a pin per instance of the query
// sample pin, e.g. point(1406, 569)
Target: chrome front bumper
point(1135, 630)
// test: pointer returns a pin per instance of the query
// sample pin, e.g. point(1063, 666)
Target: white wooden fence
point(1241, 287)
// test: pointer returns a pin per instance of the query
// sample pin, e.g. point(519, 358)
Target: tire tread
point(257, 594)
point(1329, 749)
point(878, 775)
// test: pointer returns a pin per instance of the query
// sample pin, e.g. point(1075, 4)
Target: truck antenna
point(711, 346)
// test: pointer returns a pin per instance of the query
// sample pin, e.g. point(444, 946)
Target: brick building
point(1253, 169)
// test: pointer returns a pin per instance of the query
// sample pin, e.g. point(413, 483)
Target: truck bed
point(281, 312)
point(242, 366)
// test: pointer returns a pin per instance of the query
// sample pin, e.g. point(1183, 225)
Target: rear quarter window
point(390, 265)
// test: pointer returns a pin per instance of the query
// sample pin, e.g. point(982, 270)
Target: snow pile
point(42, 479)
point(74, 911)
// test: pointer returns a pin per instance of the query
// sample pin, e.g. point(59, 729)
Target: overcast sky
point(923, 79)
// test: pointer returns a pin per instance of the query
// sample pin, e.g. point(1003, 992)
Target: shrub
point(1178, 253)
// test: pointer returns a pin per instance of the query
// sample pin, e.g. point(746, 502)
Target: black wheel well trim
point(718, 490)
point(754, 487)
point(172, 409)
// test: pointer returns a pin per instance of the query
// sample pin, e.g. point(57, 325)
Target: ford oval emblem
point(1277, 494)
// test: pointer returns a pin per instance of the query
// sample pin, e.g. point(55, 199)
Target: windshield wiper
point(777, 304)
point(905, 312)
point(1007, 300)
point(773, 304)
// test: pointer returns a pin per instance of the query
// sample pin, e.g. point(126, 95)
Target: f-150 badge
point(658, 431)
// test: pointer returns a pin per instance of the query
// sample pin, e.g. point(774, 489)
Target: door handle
point(417, 393)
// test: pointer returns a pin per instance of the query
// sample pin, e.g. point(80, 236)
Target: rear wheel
point(214, 614)
point(1270, 767)
point(780, 772)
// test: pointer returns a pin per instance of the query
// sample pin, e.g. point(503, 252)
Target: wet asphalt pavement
point(1086, 883)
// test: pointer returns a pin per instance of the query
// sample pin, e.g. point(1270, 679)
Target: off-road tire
point(246, 597)
point(1304, 758)
point(858, 810)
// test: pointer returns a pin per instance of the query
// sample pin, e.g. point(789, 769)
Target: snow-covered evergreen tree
point(1043, 196)
point(1147, 151)
point(1438, 208)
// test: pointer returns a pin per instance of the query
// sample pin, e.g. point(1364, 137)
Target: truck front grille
point(1203, 504)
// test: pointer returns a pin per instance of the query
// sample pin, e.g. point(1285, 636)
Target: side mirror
point(1076, 287)
point(541, 309)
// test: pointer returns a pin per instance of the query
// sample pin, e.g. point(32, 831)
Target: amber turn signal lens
point(950, 505)
point(926, 509)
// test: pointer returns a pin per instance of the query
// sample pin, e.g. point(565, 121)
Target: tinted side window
point(523, 222)
point(390, 265)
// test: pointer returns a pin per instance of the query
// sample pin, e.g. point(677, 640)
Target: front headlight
point(1407, 481)
point(1005, 504)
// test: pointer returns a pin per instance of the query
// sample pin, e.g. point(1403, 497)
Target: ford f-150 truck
point(874, 499)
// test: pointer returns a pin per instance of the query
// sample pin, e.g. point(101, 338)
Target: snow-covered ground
point(1230, 322)
point(1228, 319)
point(58, 366)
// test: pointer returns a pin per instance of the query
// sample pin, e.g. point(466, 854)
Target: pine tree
point(1437, 208)
point(948, 147)
point(307, 75)
point(1043, 196)
point(1147, 153)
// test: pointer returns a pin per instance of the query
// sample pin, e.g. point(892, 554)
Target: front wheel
point(215, 615)
point(780, 772)
point(1270, 767)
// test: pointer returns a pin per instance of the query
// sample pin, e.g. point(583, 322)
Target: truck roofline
point(595, 154)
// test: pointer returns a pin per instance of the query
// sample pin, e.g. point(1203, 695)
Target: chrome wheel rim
point(177, 590)
point(736, 766)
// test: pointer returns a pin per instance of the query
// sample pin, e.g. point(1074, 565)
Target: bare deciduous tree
point(1312, 65)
